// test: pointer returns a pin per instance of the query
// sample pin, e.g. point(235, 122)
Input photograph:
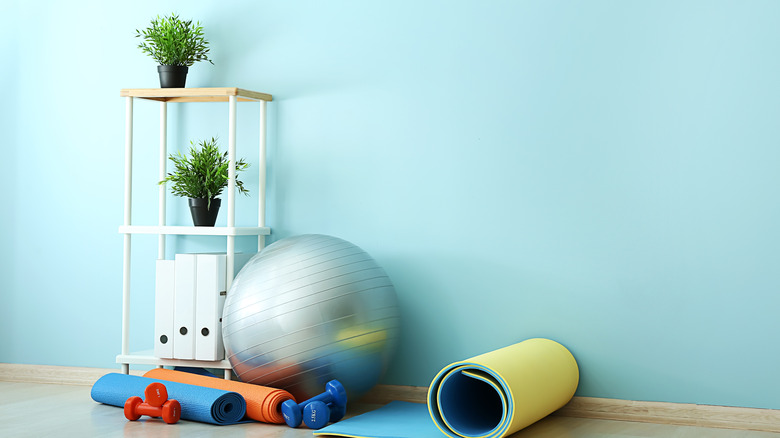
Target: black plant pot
point(172, 76)
point(202, 215)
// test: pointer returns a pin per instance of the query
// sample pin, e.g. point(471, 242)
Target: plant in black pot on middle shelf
point(201, 176)
point(175, 44)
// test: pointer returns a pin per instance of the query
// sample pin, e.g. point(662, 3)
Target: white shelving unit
point(230, 231)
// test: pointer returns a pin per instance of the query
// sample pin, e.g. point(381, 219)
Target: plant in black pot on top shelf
point(175, 44)
point(201, 176)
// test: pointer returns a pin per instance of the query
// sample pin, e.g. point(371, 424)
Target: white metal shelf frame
point(230, 231)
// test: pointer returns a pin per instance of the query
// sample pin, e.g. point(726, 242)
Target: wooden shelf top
point(195, 94)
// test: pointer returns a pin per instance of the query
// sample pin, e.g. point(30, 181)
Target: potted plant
point(175, 44)
point(201, 176)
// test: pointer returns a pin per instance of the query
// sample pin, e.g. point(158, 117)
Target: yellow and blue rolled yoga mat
point(492, 395)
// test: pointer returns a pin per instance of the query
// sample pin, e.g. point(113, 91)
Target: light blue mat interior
point(397, 419)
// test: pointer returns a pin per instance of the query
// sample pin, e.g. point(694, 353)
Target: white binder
point(184, 306)
point(163, 309)
point(209, 299)
point(210, 293)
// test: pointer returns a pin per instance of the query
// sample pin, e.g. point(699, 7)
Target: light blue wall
point(602, 173)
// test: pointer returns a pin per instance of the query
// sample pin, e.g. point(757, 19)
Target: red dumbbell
point(155, 405)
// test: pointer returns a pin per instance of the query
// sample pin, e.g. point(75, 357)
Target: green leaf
point(204, 173)
point(171, 41)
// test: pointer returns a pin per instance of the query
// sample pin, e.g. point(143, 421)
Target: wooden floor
point(41, 410)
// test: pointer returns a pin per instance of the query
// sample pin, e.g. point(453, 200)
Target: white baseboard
point(726, 417)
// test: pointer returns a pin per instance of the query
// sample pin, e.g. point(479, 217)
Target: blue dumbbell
point(331, 405)
point(337, 412)
point(317, 414)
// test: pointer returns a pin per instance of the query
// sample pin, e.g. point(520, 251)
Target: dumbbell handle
point(334, 394)
point(325, 397)
point(149, 410)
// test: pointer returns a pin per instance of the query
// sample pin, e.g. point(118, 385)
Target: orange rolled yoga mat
point(262, 403)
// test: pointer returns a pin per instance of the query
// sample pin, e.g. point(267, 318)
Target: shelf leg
point(128, 160)
point(162, 188)
point(126, 297)
point(127, 222)
point(230, 261)
point(262, 175)
point(231, 189)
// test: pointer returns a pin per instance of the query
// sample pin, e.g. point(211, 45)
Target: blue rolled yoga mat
point(495, 394)
point(492, 395)
point(206, 405)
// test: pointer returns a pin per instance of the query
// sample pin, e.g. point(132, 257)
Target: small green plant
point(204, 173)
point(171, 41)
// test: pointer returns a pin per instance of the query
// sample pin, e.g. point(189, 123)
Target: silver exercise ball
point(309, 309)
